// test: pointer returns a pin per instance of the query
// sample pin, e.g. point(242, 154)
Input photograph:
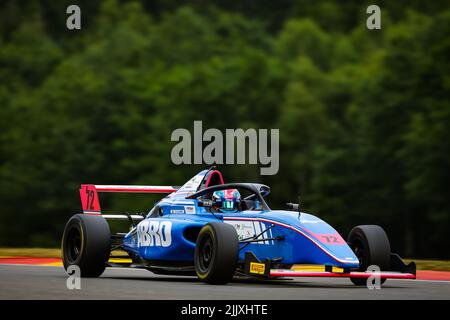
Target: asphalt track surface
point(41, 282)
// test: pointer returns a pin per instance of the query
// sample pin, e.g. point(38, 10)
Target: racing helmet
point(227, 200)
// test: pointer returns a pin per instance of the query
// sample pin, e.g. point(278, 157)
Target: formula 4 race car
point(195, 230)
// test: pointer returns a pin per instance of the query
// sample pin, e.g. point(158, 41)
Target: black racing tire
point(216, 253)
point(371, 246)
point(86, 243)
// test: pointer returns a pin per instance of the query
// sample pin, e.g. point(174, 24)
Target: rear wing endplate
point(89, 194)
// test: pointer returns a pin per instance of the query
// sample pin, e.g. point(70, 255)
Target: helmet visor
point(228, 204)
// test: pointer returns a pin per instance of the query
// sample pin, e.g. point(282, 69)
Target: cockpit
point(211, 193)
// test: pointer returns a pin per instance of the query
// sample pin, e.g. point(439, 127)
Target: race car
point(216, 230)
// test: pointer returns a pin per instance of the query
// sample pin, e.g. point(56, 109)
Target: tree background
point(363, 114)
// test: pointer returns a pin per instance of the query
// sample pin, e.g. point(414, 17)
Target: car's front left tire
point(216, 253)
point(86, 244)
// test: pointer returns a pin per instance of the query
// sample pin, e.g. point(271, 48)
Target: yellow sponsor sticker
point(257, 268)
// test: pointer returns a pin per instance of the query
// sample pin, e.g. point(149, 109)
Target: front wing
point(275, 273)
point(257, 268)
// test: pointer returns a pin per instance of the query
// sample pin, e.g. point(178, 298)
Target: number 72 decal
point(330, 239)
point(89, 199)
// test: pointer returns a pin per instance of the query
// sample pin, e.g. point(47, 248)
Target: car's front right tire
point(216, 253)
point(86, 244)
point(372, 248)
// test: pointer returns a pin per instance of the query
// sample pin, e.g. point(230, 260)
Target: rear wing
point(89, 194)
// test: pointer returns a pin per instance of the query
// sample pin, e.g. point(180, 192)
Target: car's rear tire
point(371, 246)
point(86, 243)
point(216, 253)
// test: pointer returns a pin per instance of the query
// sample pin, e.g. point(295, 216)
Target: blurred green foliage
point(363, 115)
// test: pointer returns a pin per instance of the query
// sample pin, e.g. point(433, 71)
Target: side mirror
point(205, 203)
point(293, 206)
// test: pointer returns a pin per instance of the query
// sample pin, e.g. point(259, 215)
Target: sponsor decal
point(189, 209)
point(177, 211)
point(154, 233)
point(244, 229)
point(249, 229)
point(257, 268)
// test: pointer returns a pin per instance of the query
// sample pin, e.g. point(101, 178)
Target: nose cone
point(328, 247)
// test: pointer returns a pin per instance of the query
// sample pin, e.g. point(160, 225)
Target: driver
point(227, 201)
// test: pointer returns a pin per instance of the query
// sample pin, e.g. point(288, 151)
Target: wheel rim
point(206, 253)
point(359, 250)
point(73, 245)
